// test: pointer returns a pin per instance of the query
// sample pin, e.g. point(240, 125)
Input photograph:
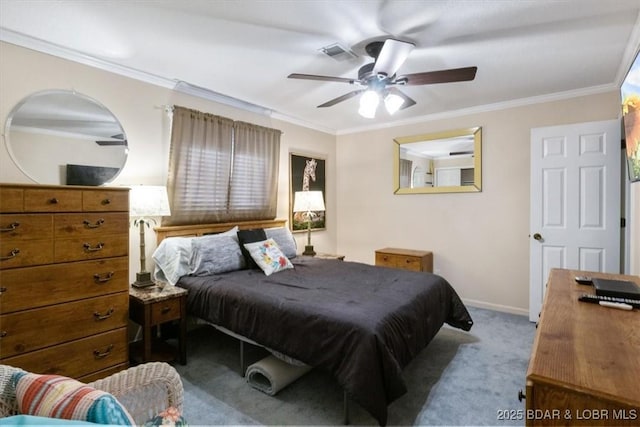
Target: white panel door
point(575, 202)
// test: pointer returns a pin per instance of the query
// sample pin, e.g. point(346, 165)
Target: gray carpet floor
point(461, 378)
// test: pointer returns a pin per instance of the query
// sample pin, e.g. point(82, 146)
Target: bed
point(361, 323)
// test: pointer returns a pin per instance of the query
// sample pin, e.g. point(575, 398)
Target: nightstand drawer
point(164, 311)
point(385, 260)
point(409, 263)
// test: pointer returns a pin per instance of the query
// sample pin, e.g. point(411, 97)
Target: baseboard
point(496, 307)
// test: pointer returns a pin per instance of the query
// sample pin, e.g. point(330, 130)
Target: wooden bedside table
point(405, 259)
point(151, 307)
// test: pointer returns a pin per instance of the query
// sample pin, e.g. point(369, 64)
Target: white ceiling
point(525, 50)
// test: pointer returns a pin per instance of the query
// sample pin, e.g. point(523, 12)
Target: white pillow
point(284, 239)
point(172, 259)
point(268, 256)
point(173, 254)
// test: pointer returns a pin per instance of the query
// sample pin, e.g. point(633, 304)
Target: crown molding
point(43, 46)
point(558, 96)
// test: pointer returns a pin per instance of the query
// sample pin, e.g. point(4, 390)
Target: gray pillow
point(284, 239)
point(217, 253)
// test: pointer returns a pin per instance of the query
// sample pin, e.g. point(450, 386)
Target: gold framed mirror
point(442, 162)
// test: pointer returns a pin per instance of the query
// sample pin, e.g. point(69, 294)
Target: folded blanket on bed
point(270, 375)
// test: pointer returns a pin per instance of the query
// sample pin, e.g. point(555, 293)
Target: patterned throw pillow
point(55, 396)
point(268, 256)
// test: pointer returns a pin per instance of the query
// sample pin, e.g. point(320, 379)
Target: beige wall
point(140, 108)
point(480, 240)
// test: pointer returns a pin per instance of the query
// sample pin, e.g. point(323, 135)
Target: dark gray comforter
point(360, 322)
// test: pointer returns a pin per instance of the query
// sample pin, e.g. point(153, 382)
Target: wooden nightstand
point(151, 307)
point(405, 259)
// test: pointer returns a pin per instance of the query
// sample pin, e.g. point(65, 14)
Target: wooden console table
point(585, 362)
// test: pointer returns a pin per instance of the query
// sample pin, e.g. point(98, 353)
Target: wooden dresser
point(405, 259)
point(64, 279)
point(585, 362)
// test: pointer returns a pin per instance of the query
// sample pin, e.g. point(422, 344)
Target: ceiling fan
point(379, 80)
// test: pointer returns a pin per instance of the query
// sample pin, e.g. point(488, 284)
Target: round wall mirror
point(63, 137)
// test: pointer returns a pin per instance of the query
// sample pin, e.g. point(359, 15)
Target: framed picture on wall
point(630, 92)
point(306, 172)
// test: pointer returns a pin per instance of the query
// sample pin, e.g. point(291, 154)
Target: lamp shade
point(148, 200)
point(308, 201)
point(369, 104)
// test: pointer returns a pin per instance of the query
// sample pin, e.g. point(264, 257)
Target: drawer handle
point(11, 227)
point(521, 396)
point(53, 201)
point(14, 253)
point(3, 334)
point(105, 316)
point(87, 247)
point(102, 354)
point(408, 261)
point(3, 290)
point(165, 310)
point(88, 224)
point(106, 201)
point(103, 279)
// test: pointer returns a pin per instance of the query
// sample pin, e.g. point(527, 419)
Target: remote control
point(596, 299)
point(618, 305)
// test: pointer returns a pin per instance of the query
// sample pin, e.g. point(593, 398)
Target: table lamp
point(146, 201)
point(308, 203)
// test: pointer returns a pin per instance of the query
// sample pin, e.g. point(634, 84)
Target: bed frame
point(203, 229)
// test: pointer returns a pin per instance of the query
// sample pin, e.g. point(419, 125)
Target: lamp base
point(143, 280)
point(308, 250)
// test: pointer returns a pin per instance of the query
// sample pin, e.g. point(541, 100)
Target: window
point(221, 170)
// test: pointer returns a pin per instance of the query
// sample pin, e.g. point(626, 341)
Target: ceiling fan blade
point(392, 56)
point(341, 98)
point(408, 102)
point(322, 78)
point(441, 76)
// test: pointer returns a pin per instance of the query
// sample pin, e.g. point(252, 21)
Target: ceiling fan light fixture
point(393, 103)
point(369, 104)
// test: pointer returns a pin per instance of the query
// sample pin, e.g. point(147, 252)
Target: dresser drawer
point(164, 311)
point(25, 253)
point(84, 248)
point(409, 263)
point(385, 260)
point(106, 200)
point(90, 224)
point(25, 227)
point(76, 358)
point(11, 199)
point(52, 200)
point(30, 330)
point(58, 283)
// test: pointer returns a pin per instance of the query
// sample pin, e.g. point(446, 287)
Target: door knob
point(538, 237)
